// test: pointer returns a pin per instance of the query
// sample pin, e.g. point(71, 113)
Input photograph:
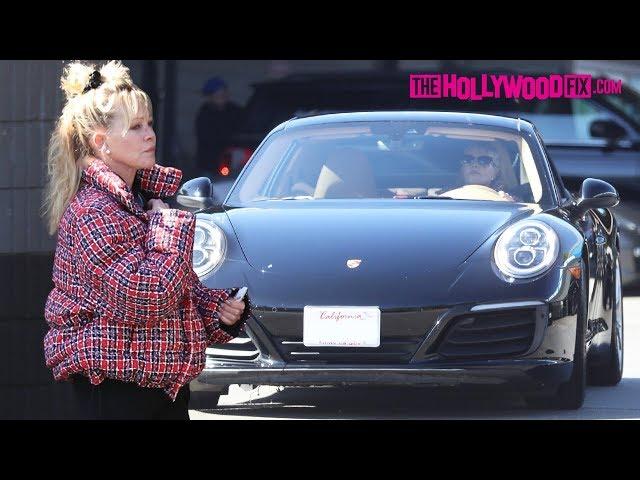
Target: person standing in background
point(216, 121)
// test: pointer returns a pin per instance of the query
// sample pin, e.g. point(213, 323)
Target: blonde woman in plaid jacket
point(129, 319)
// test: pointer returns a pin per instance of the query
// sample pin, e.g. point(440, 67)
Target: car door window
point(569, 120)
point(585, 112)
point(627, 103)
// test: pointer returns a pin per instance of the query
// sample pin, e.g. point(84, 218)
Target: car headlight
point(209, 246)
point(526, 249)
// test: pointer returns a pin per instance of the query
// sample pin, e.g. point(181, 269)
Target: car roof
point(516, 124)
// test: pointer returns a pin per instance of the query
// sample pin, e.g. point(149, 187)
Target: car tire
point(570, 395)
point(610, 372)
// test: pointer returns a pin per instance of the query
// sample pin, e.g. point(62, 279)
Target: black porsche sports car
point(413, 248)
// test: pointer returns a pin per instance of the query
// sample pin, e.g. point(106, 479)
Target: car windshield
point(394, 160)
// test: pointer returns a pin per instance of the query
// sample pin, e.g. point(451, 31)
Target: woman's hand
point(506, 196)
point(156, 204)
point(231, 311)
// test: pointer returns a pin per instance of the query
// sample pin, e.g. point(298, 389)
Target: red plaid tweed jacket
point(126, 303)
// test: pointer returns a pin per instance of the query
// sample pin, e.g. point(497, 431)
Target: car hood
point(338, 238)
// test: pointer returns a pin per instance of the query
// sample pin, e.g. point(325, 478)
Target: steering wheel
point(477, 192)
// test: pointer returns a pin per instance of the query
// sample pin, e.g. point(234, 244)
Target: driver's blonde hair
point(82, 114)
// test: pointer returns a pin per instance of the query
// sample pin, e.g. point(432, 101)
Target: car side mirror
point(596, 193)
point(607, 129)
point(196, 194)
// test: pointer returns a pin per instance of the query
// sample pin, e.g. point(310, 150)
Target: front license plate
point(341, 326)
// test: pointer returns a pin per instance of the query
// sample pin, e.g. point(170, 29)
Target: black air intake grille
point(491, 334)
point(240, 348)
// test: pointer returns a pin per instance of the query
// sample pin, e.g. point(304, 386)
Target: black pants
point(115, 400)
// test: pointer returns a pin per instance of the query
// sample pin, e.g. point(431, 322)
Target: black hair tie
point(95, 80)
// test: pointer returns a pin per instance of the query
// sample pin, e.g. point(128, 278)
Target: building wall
point(28, 108)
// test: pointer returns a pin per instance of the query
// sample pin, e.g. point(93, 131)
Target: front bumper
point(546, 363)
point(516, 375)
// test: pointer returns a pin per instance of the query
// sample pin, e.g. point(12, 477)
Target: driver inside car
point(482, 165)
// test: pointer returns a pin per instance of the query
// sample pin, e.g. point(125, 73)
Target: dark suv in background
point(597, 137)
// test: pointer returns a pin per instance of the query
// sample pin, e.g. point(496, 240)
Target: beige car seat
point(347, 173)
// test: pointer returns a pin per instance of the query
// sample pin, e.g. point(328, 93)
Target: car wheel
point(610, 373)
point(570, 395)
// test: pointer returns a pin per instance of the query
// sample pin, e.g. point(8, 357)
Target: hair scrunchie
point(95, 80)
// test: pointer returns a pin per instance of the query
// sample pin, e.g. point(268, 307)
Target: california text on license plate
point(341, 326)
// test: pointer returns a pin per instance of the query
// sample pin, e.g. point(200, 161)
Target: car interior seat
point(347, 173)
